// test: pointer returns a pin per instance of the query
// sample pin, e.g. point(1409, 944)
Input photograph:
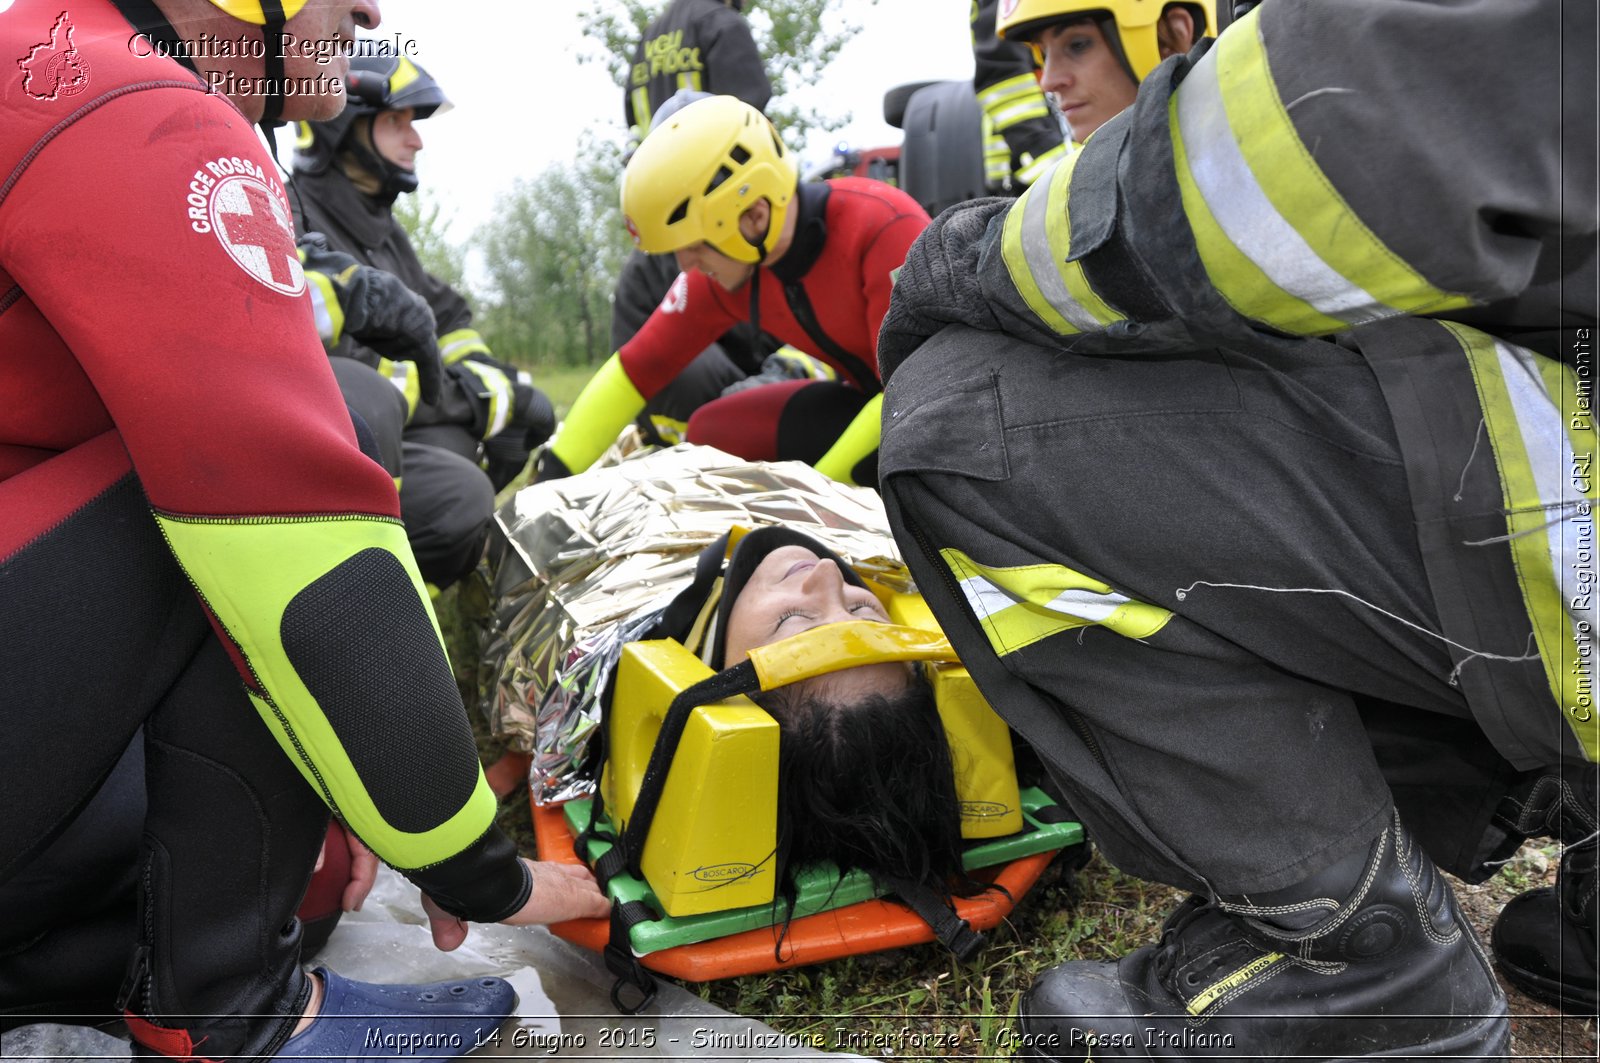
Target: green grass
point(562, 383)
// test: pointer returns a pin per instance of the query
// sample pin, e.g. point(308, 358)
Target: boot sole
point(1479, 1042)
point(1551, 991)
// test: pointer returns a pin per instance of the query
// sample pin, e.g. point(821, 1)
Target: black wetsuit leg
point(100, 634)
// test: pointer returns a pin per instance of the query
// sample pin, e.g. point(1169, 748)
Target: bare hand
point(560, 892)
point(364, 866)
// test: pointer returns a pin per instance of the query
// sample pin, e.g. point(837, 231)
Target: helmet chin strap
point(760, 244)
point(272, 42)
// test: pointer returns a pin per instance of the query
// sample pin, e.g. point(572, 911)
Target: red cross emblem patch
point(253, 226)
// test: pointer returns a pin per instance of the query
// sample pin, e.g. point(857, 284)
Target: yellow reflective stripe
point(606, 404)
point(1029, 172)
point(1034, 245)
point(996, 154)
point(1022, 605)
point(858, 440)
point(325, 307)
point(1277, 239)
point(500, 396)
point(404, 376)
point(641, 109)
point(405, 72)
point(1549, 496)
point(456, 345)
point(1013, 100)
point(1235, 982)
point(670, 429)
point(814, 368)
point(1021, 111)
point(1002, 92)
point(996, 160)
point(248, 571)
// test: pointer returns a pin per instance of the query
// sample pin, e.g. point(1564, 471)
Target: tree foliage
point(552, 255)
point(422, 217)
point(795, 44)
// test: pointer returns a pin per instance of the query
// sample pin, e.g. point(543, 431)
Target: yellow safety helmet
point(699, 171)
point(1136, 23)
point(257, 12)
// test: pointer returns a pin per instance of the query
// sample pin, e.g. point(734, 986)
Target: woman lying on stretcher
point(865, 775)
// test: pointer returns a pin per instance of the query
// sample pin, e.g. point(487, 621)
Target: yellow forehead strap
point(848, 644)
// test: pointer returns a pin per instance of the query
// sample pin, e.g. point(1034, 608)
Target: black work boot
point(1545, 940)
point(1368, 958)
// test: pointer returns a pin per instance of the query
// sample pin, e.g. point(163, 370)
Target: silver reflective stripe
point(1245, 214)
point(985, 598)
point(500, 397)
point(1087, 605)
point(1550, 460)
point(1009, 115)
point(319, 308)
point(1041, 260)
point(399, 374)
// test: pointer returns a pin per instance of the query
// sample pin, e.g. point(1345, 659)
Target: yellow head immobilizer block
point(714, 833)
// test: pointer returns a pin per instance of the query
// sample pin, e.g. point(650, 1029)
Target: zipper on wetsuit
point(139, 969)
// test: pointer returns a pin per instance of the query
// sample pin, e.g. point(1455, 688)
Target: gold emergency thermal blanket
point(591, 560)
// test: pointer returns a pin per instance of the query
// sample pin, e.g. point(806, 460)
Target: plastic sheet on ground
point(565, 1009)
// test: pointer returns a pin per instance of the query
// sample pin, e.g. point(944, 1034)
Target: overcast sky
point(522, 98)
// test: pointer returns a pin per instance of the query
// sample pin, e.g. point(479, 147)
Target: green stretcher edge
point(820, 888)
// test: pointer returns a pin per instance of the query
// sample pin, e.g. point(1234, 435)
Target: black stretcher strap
point(955, 932)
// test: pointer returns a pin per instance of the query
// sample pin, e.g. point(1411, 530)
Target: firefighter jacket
point(157, 329)
point(693, 44)
point(1308, 176)
point(1021, 135)
point(327, 202)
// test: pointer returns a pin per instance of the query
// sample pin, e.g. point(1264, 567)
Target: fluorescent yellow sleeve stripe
point(1277, 239)
point(1013, 100)
point(248, 572)
point(996, 155)
point(858, 440)
point(404, 376)
point(670, 429)
point(1551, 537)
point(1031, 170)
point(1022, 605)
point(1003, 92)
point(641, 110)
point(606, 405)
point(456, 345)
point(501, 399)
point(1034, 246)
point(325, 307)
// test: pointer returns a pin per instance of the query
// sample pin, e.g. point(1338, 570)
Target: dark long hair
point(867, 784)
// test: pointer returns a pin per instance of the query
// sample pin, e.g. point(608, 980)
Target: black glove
point(551, 468)
point(379, 311)
point(533, 419)
point(939, 283)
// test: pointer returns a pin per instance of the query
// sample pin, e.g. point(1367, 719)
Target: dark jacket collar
point(810, 232)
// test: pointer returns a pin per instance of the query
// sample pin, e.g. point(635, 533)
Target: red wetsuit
point(181, 487)
point(851, 236)
point(156, 330)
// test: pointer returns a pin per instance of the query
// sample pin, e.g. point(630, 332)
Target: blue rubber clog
point(421, 1023)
